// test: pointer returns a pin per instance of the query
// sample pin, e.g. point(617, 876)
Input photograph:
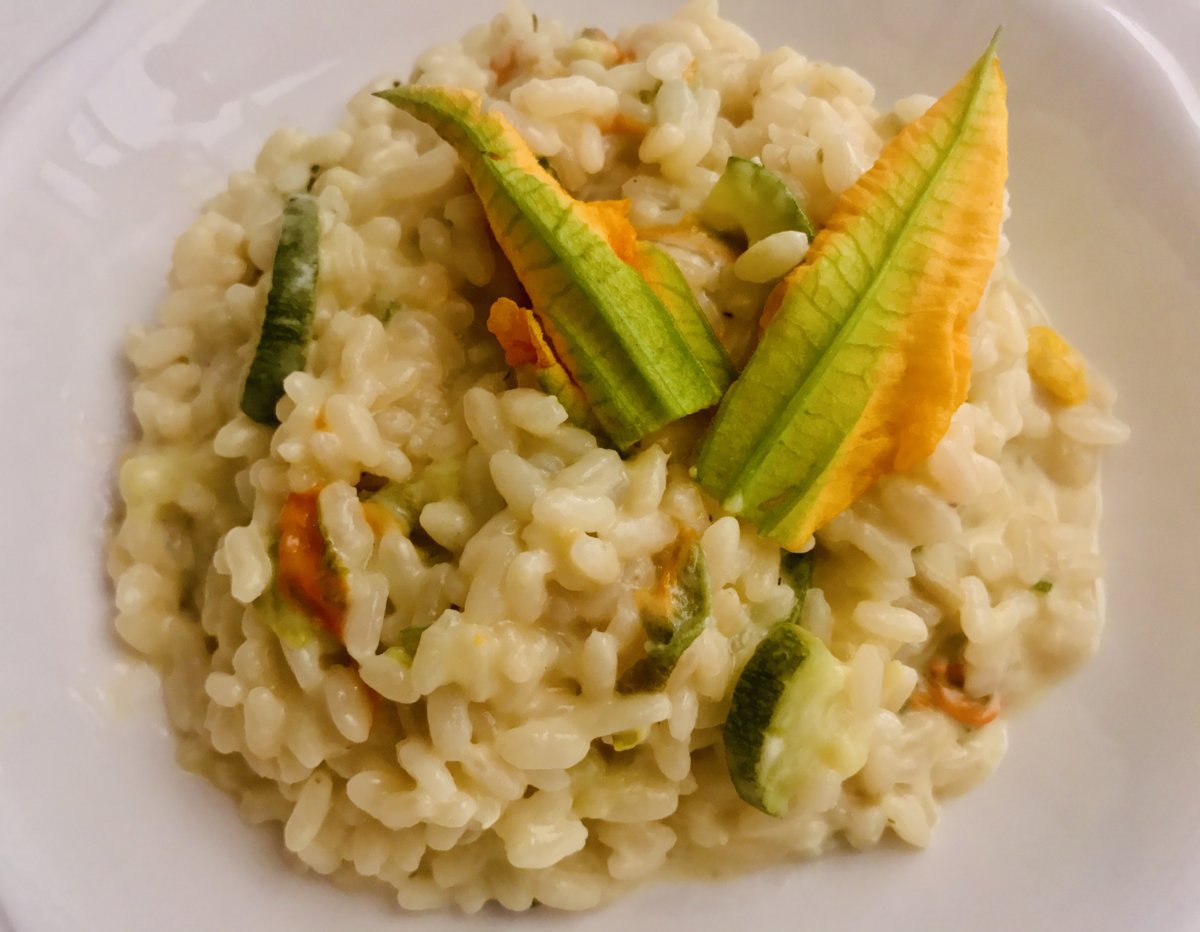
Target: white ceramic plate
point(119, 119)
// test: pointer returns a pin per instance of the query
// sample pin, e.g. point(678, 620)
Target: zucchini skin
point(756, 697)
point(287, 321)
point(751, 201)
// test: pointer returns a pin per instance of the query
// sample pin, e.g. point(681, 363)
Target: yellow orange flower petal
point(866, 356)
point(1057, 366)
point(619, 344)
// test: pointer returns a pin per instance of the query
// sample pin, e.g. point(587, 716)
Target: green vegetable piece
point(789, 720)
point(796, 570)
point(675, 614)
point(410, 639)
point(526, 349)
point(865, 354)
point(406, 649)
point(287, 321)
point(753, 202)
point(578, 262)
point(1042, 586)
point(403, 501)
point(558, 383)
point(667, 282)
point(291, 624)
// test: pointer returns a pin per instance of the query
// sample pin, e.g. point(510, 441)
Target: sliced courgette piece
point(753, 202)
point(287, 320)
point(789, 720)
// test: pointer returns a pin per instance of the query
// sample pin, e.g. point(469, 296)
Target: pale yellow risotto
point(435, 587)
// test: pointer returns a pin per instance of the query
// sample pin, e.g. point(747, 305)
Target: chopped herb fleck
point(1042, 586)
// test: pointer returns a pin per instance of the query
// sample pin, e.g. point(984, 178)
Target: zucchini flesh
point(753, 202)
point(789, 720)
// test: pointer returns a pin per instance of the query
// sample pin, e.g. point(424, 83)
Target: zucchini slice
point(753, 202)
point(287, 321)
point(789, 720)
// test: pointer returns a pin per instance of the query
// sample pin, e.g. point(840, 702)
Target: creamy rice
point(485, 770)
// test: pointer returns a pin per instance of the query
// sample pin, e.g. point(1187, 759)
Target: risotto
point(468, 712)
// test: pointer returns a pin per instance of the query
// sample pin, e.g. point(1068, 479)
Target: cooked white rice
point(481, 772)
